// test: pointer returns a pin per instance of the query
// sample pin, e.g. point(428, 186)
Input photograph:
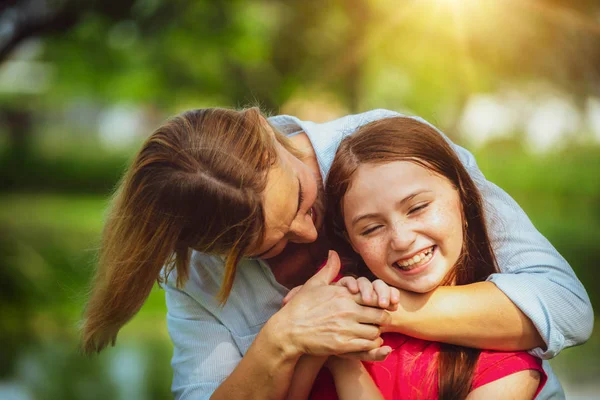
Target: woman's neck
point(299, 261)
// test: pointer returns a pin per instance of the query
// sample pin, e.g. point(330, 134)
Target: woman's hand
point(322, 319)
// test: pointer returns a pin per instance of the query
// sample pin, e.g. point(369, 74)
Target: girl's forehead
point(398, 172)
point(391, 182)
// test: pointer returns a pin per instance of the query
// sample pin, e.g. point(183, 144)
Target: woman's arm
point(477, 315)
point(352, 381)
point(264, 372)
point(207, 362)
point(535, 277)
point(537, 295)
point(320, 320)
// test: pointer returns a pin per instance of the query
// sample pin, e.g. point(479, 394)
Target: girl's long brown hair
point(406, 139)
point(196, 184)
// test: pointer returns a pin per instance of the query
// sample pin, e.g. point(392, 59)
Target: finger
point(360, 345)
point(383, 293)
point(366, 331)
point(291, 294)
point(378, 354)
point(395, 296)
point(366, 291)
point(374, 316)
point(326, 274)
point(350, 283)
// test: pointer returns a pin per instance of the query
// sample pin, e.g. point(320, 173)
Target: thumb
point(327, 273)
point(291, 294)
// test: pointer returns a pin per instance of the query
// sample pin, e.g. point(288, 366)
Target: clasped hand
point(344, 318)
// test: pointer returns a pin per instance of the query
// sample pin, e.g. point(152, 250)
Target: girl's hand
point(373, 294)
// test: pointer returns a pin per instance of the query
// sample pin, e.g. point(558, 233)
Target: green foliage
point(68, 170)
point(47, 251)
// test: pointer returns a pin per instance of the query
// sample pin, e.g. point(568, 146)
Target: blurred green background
point(82, 83)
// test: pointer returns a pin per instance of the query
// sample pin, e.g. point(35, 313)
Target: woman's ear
point(347, 238)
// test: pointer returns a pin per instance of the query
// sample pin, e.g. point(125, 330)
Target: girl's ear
point(349, 241)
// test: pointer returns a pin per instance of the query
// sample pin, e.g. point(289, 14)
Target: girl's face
point(406, 223)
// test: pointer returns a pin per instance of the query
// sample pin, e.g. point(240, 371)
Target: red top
point(410, 371)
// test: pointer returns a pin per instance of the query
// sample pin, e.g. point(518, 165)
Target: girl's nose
point(402, 237)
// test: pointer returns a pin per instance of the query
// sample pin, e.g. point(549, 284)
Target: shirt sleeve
point(535, 277)
point(492, 366)
point(204, 351)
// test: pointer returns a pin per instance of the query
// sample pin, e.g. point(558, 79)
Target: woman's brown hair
point(195, 184)
point(406, 139)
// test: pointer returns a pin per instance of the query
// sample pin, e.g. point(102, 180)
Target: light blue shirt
point(209, 340)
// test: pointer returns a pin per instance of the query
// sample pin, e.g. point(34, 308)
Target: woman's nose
point(303, 230)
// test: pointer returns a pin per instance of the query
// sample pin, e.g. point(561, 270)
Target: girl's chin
point(429, 279)
point(422, 285)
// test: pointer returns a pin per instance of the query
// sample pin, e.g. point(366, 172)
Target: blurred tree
point(25, 19)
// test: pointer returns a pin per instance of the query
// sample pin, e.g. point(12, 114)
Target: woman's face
point(405, 221)
point(289, 202)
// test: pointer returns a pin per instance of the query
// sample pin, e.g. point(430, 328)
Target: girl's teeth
point(418, 258)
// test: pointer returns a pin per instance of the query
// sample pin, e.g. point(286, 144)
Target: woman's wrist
point(278, 336)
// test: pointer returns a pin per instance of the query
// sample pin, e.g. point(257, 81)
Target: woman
point(213, 186)
point(405, 211)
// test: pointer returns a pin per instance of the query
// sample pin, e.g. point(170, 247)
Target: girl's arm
point(352, 381)
point(521, 385)
point(305, 373)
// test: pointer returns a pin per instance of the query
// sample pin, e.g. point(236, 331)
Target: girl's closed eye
point(370, 230)
point(418, 208)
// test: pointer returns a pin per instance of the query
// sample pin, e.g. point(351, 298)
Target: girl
point(398, 197)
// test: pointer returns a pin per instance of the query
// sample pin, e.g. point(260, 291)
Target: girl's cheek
point(441, 219)
point(370, 250)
